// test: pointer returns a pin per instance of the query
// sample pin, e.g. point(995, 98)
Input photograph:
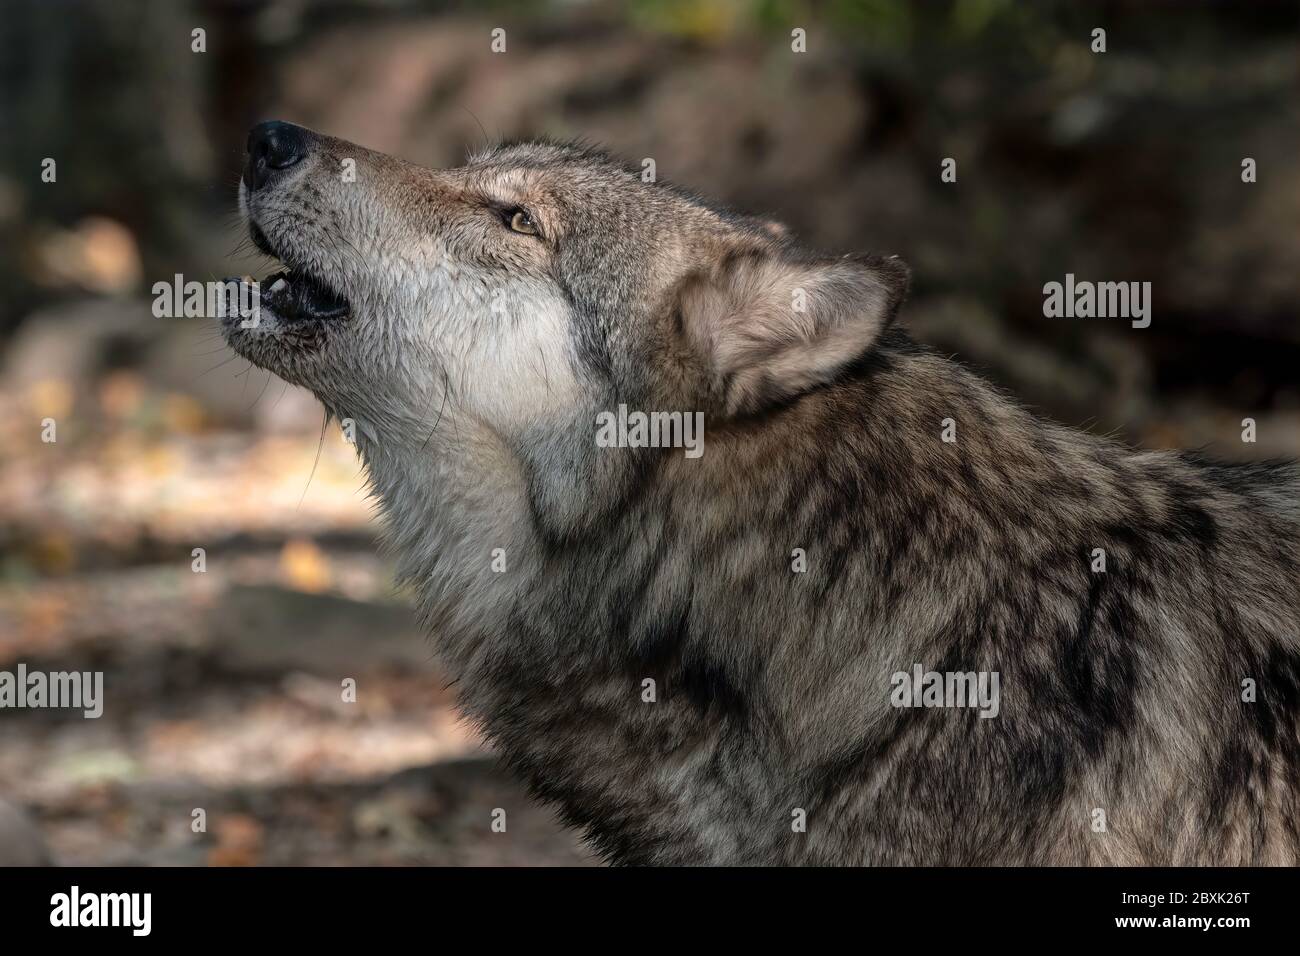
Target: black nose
point(271, 147)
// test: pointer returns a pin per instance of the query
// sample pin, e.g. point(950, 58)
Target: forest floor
point(225, 737)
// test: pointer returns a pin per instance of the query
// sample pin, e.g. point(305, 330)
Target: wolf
point(694, 659)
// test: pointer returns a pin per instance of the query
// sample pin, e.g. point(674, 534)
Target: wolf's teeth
point(278, 284)
point(247, 278)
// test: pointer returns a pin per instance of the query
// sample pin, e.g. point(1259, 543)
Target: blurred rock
point(1097, 382)
point(267, 629)
point(76, 342)
point(20, 842)
point(97, 255)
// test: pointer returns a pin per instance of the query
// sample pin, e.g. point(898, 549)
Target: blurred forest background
point(223, 687)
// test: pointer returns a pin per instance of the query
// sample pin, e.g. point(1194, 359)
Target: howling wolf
point(769, 652)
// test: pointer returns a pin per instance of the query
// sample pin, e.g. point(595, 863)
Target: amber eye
point(522, 222)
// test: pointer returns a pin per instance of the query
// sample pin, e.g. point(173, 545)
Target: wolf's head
point(532, 287)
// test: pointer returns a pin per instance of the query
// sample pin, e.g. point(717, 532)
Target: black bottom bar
point(619, 906)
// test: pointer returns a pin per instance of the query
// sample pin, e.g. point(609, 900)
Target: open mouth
point(294, 294)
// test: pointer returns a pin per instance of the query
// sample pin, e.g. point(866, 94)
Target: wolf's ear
point(770, 325)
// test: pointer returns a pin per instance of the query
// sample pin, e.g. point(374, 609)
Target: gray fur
point(1120, 691)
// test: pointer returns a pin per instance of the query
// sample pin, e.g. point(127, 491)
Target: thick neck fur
point(772, 686)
